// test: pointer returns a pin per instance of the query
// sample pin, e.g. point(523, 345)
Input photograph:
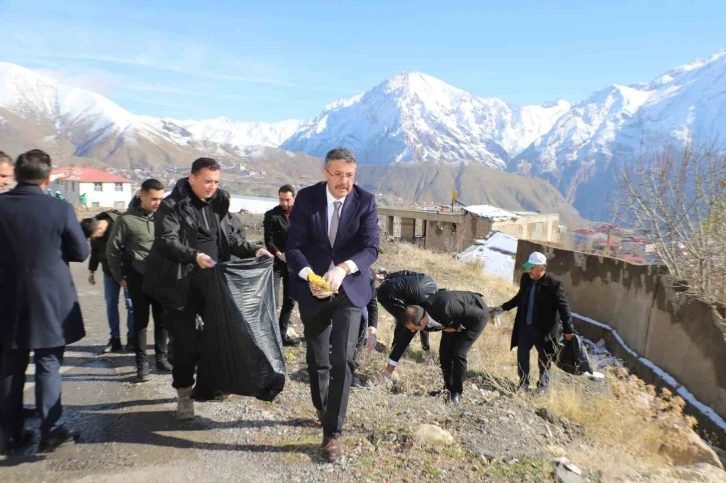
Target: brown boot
point(331, 448)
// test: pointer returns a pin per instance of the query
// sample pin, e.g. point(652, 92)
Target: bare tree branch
point(677, 196)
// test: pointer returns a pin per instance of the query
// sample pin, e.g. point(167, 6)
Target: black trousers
point(331, 334)
point(47, 389)
point(185, 333)
point(402, 338)
point(453, 351)
point(282, 276)
point(527, 339)
point(143, 304)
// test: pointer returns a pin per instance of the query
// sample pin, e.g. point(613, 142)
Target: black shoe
point(163, 364)
point(114, 345)
point(16, 443)
point(57, 438)
point(142, 372)
point(455, 399)
point(290, 342)
point(30, 411)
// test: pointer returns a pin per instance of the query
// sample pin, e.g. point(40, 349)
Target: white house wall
point(108, 197)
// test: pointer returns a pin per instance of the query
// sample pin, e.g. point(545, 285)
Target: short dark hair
point(340, 154)
point(286, 188)
point(413, 315)
point(209, 163)
point(89, 226)
point(4, 158)
point(32, 167)
point(151, 184)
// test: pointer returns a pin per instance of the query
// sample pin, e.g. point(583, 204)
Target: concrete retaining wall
point(677, 333)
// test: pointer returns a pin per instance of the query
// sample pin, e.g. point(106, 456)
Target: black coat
point(454, 308)
point(98, 245)
point(276, 225)
point(551, 314)
point(401, 289)
point(173, 257)
point(39, 236)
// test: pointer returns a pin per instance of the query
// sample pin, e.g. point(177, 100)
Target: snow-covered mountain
point(223, 130)
point(407, 118)
point(38, 111)
point(581, 151)
point(413, 117)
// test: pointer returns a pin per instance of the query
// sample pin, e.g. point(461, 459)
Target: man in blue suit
point(39, 308)
point(333, 233)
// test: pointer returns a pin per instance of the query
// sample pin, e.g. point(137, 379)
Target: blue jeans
point(110, 290)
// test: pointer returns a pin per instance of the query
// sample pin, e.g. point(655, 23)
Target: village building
point(102, 189)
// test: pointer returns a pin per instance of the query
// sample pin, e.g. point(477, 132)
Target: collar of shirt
point(331, 207)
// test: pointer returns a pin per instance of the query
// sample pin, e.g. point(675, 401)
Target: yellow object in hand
point(318, 281)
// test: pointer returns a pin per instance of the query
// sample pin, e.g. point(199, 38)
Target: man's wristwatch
point(345, 268)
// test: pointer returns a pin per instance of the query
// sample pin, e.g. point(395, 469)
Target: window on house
point(97, 186)
point(119, 187)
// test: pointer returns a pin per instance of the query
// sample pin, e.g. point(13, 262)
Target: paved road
point(128, 430)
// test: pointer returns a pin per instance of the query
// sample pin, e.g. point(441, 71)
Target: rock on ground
point(433, 435)
point(701, 472)
point(685, 447)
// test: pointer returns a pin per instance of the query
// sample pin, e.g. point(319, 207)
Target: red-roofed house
point(102, 188)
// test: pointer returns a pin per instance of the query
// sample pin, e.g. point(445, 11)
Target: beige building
point(444, 230)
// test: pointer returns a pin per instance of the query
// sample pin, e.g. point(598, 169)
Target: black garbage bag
point(573, 357)
point(241, 349)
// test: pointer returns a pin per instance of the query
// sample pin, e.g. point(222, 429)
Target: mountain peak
point(419, 83)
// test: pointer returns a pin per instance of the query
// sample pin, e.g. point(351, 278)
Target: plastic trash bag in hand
point(573, 357)
point(241, 349)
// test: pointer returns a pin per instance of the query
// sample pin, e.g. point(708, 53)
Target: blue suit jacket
point(308, 244)
point(39, 235)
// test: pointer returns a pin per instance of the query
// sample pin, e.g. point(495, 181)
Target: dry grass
point(625, 423)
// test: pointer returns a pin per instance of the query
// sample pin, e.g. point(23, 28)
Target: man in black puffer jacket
point(194, 231)
point(397, 291)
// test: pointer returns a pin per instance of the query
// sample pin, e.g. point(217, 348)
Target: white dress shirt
point(330, 210)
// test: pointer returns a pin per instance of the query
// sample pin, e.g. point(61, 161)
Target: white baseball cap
point(536, 258)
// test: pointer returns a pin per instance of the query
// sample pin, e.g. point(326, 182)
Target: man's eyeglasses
point(340, 175)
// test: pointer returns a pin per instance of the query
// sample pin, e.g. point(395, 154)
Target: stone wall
point(543, 228)
point(454, 232)
point(455, 236)
point(673, 331)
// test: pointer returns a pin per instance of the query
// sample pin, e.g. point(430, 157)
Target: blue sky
point(269, 61)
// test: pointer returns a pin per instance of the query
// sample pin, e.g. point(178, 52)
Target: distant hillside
point(432, 182)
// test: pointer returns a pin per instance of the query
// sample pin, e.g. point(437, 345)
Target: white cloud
point(98, 81)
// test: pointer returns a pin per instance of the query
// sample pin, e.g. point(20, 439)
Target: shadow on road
point(153, 427)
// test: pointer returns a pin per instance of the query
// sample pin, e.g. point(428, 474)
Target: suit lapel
point(283, 219)
point(350, 207)
point(320, 217)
